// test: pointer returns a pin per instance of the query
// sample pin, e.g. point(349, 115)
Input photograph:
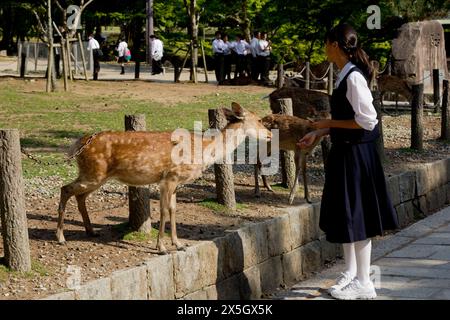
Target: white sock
point(362, 251)
point(350, 259)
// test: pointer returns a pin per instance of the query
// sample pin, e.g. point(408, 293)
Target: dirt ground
point(100, 256)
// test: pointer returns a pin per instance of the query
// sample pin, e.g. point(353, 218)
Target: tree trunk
point(139, 198)
point(417, 117)
point(223, 172)
point(194, 37)
point(51, 79)
point(12, 203)
point(287, 157)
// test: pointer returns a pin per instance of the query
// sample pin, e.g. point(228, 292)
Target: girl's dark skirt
point(355, 202)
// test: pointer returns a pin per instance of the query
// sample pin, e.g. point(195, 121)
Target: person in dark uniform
point(355, 204)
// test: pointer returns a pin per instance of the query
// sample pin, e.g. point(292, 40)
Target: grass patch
point(213, 205)
point(37, 269)
point(126, 234)
point(410, 151)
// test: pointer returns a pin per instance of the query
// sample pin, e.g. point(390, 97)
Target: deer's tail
point(76, 147)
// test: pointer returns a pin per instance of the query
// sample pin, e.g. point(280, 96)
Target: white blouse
point(360, 97)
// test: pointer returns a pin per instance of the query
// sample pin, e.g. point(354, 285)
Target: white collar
point(349, 65)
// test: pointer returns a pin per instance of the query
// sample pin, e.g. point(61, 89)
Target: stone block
point(250, 284)
point(66, 295)
point(254, 244)
point(407, 185)
point(292, 266)
point(271, 272)
point(129, 284)
point(229, 289)
point(311, 257)
point(161, 285)
point(296, 227)
point(422, 181)
point(279, 235)
point(328, 250)
point(394, 189)
point(230, 255)
point(195, 268)
point(197, 295)
point(308, 224)
point(95, 290)
point(405, 214)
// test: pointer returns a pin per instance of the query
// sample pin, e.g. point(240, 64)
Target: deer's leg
point(305, 177)
point(81, 200)
point(75, 188)
point(167, 190)
point(173, 226)
point(266, 184)
point(257, 191)
point(298, 159)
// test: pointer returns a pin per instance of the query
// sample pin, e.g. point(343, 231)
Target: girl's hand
point(321, 124)
point(308, 140)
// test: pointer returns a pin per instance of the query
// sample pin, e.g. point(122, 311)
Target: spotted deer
point(143, 158)
point(291, 130)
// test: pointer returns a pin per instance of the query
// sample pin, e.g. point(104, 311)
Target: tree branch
point(59, 5)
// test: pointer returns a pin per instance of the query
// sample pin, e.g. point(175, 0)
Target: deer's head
point(249, 122)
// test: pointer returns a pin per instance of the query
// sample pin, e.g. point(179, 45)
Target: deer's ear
point(229, 114)
point(239, 112)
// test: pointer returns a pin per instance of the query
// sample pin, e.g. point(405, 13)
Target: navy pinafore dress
point(355, 202)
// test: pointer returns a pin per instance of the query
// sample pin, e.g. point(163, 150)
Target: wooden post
point(12, 203)
point(27, 55)
point(445, 126)
point(35, 56)
point(331, 79)
point(137, 69)
point(280, 76)
point(138, 198)
point(287, 157)
point(417, 117)
point(23, 63)
point(223, 172)
point(83, 58)
point(307, 78)
point(436, 90)
point(380, 141)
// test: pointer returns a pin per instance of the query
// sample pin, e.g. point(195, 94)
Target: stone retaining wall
point(260, 257)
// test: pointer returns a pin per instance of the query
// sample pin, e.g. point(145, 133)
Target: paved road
point(412, 264)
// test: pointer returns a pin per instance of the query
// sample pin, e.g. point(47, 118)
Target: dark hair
point(347, 39)
point(153, 37)
point(255, 33)
point(218, 33)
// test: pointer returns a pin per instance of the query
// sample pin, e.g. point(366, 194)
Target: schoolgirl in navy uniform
point(355, 203)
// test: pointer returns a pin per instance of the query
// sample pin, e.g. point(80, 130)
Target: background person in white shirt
point(94, 46)
point(121, 50)
point(218, 47)
point(157, 54)
point(265, 48)
point(242, 49)
point(254, 46)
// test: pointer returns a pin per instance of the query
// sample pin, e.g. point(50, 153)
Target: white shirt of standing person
point(93, 44)
point(157, 49)
point(122, 48)
point(360, 97)
point(264, 48)
point(254, 46)
point(242, 47)
point(218, 46)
